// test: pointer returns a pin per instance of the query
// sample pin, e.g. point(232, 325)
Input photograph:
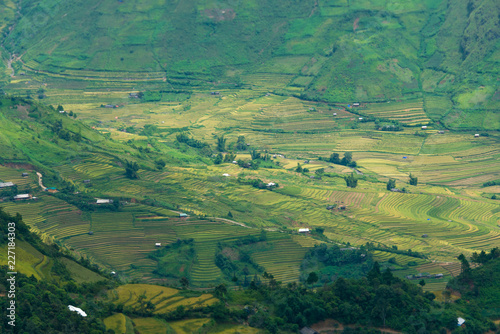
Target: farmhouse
point(226, 174)
point(24, 174)
point(214, 93)
point(86, 181)
point(425, 236)
point(355, 104)
point(183, 215)
point(361, 118)
point(133, 95)
point(270, 184)
point(424, 127)
point(103, 201)
point(303, 230)
point(52, 190)
point(158, 244)
point(91, 232)
point(334, 114)
point(23, 196)
point(6, 184)
point(476, 135)
point(61, 111)
point(441, 132)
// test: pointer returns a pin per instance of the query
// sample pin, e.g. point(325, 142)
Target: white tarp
point(460, 321)
point(76, 309)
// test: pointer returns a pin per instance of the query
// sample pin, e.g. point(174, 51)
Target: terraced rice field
point(409, 112)
point(283, 260)
point(165, 299)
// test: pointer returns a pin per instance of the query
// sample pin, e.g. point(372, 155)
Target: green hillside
point(329, 50)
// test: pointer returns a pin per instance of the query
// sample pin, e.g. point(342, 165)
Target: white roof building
point(270, 184)
point(22, 196)
point(6, 184)
point(226, 174)
point(102, 201)
point(460, 321)
point(303, 230)
point(76, 309)
point(424, 127)
point(158, 244)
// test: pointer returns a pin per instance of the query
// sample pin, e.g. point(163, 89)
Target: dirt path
point(232, 222)
point(9, 66)
point(40, 181)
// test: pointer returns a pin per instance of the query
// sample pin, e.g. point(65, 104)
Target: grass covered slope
point(336, 51)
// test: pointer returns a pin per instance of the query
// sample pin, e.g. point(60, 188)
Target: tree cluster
point(131, 168)
point(345, 161)
point(190, 141)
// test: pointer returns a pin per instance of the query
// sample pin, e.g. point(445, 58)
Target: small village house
point(103, 201)
point(6, 184)
point(183, 215)
point(23, 196)
point(304, 230)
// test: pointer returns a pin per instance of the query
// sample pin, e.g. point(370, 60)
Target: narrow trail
point(232, 222)
point(40, 181)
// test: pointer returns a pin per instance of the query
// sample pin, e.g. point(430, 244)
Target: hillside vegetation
point(337, 51)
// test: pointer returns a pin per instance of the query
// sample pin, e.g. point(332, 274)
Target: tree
point(255, 155)
point(346, 160)
point(229, 214)
point(184, 282)
point(160, 164)
point(351, 181)
point(131, 169)
point(334, 158)
point(391, 184)
point(221, 144)
point(299, 168)
point(60, 108)
point(230, 157)
point(312, 278)
point(464, 267)
point(413, 180)
point(220, 291)
point(422, 283)
point(218, 159)
point(241, 145)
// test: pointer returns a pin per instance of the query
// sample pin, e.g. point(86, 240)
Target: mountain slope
point(333, 50)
